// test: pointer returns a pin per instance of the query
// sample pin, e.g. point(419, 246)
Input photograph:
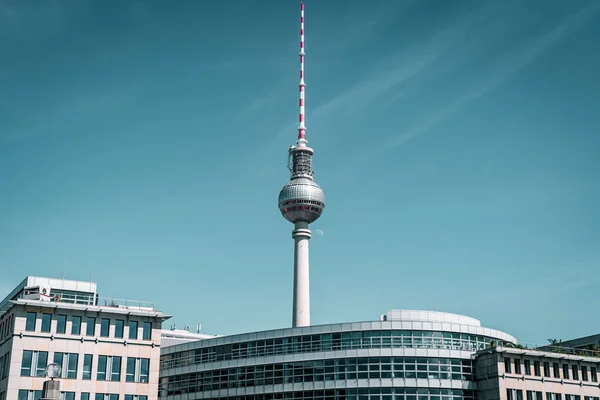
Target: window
point(109, 368)
point(119, 324)
point(553, 396)
point(46, 322)
point(575, 373)
point(29, 394)
point(517, 366)
point(584, 374)
point(34, 363)
point(527, 366)
point(104, 327)
point(90, 329)
point(507, 365)
point(61, 323)
point(30, 322)
point(531, 395)
point(147, 331)
point(514, 394)
point(104, 396)
point(68, 364)
point(133, 329)
point(556, 370)
point(135, 397)
point(565, 371)
point(84, 396)
point(87, 366)
point(76, 325)
point(594, 372)
point(546, 369)
point(536, 368)
point(137, 370)
point(67, 396)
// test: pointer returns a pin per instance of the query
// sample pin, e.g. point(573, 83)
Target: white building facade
point(107, 349)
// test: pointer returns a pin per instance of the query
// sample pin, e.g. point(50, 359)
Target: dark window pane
point(101, 376)
point(46, 322)
point(42, 362)
point(104, 327)
point(133, 329)
point(115, 374)
point(147, 332)
point(26, 363)
point(76, 325)
point(61, 323)
point(30, 323)
point(90, 329)
point(119, 324)
point(130, 372)
point(87, 366)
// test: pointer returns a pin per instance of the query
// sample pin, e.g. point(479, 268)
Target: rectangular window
point(546, 369)
point(67, 363)
point(75, 325)
point(575, 373)
point(138, 370)
point(30, 322)
point(507, 365)
point(46, 322)
point(109, 368)
point(594, 372)
point(84, 396)
point(29, 394)
point(61, 323)
point(536, 368)
point(34, 363)
point(119, 324)
point(102, 367)
point(147, 331)
point(584, 374)
point(26, 363)
point(136, 397)
point(553, 396)
point(527, 367)
point(104, 327)
point(556, 370)
point(514, 394)
point(517, 366)
point(90, 329)
point(115, 372)
point(67, 396)
point(105, 396)
point(133, 329)
point(565, 371)
point(87, 366)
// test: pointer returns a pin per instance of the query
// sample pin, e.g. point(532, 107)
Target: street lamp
point(51, 389)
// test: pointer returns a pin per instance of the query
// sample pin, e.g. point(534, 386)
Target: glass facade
point(340, 369)
point(329, 342)
point(372, 393)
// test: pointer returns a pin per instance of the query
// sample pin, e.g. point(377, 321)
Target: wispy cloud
point(387, 75)
point(504, 68)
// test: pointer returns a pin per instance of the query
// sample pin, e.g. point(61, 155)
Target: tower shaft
point(301, 306)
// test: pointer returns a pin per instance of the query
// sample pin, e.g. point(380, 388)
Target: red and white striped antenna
point(301, 85)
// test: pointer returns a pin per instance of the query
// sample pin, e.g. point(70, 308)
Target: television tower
point(301, 201)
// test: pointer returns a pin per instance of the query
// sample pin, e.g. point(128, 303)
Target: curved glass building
point(406, 355)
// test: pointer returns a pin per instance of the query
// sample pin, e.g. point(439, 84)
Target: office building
point(108, 349)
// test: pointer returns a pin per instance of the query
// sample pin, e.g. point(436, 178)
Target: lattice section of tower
point(301, 163)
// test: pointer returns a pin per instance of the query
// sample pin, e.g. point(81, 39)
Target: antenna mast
point(301, 85)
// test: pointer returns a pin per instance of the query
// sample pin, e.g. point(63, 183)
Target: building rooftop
point(64, 293)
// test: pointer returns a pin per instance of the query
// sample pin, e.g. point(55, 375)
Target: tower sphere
point(301, 199)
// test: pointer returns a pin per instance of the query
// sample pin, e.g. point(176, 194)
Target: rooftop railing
point(555, 348)
point(123, 303)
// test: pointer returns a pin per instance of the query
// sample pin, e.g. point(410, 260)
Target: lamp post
point(51, 389)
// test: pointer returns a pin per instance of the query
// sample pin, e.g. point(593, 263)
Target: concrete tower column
point(301, 311)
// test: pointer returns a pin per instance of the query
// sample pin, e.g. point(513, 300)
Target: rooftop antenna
point(64, 269)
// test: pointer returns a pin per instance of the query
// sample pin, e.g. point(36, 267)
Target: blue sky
point(457, 144)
